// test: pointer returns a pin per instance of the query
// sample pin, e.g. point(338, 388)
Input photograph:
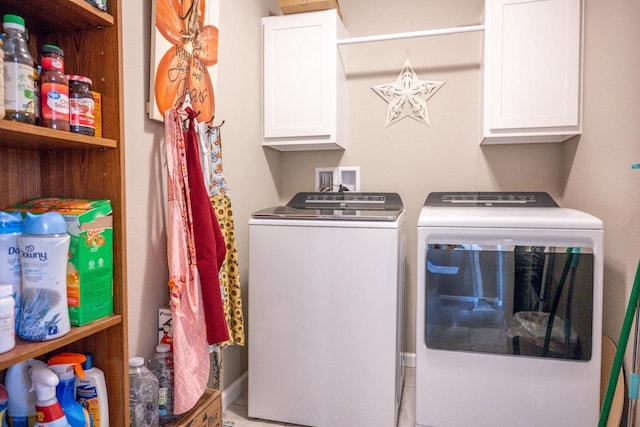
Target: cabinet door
point(300, 75)
point(532, 66)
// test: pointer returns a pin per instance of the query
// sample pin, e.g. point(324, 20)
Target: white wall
point(590, 172)
point(251, 172)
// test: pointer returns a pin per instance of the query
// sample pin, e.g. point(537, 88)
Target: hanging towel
point(209, 242)
point(220, 197)
point(190, 348)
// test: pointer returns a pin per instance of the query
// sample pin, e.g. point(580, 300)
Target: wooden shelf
point(60, 15)
point(26, 136)
point(40, 162)
point(25, 349)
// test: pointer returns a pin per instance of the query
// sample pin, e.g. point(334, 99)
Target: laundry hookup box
point(90, 265)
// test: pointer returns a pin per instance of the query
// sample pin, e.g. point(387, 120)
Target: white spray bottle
point(48, 410)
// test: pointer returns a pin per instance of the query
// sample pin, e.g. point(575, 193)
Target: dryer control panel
point(490, 199)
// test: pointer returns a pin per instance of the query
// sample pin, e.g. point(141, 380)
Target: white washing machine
point(326, 278)
point(509, 307)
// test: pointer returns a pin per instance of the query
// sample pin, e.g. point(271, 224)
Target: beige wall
point(251, 172)
point(590, 172)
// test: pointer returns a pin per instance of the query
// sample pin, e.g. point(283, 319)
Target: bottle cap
point(135, 362)
point(163, 348)
point(68, 359)
point(6, 290)
point(10, 222)
point(77, 78)
point(88, 364)
point(14, 21)
point(51, 48)
point(4, 396)
point(46, 223)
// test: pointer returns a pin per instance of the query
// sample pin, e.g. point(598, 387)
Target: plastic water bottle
point(44, 248)
point(161, 365)
point(143, 395)
point(10, 229)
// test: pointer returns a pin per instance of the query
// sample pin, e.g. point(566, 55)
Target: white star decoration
point(407, 96)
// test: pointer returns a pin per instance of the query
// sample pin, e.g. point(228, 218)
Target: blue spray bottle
point(64, 365)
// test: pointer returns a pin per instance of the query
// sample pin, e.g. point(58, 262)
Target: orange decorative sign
point(184, 50)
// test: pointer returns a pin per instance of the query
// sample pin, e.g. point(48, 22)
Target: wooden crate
point(206, 413)
point(297, 6)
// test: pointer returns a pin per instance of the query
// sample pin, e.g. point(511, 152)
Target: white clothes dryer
point(326, 284)
point(509, 308)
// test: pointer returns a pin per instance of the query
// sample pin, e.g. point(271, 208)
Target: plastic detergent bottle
point(161, 365)
point(19, 83)
point(22, 400)
point(143, 395)
point(7, 316)
point(76, 414)
point(44, 248)
point(91, 392)
point(4, 400)
point(10, 272)
point(49, 413)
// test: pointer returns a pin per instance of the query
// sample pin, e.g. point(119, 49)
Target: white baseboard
point(409, 360)
point(231, 393)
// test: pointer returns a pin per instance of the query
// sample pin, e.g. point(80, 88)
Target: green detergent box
point(90, 266)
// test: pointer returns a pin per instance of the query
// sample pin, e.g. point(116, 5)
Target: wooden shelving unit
point(39, 162)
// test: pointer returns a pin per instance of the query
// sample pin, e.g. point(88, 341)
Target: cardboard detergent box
point(206, 413)
point(298, 6)
point(90, 266)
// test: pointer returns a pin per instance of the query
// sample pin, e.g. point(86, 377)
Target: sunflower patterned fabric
point(219, 195)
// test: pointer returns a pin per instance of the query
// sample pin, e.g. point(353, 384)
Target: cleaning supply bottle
point(49, 413)
point(143, 395)
point(92, 392)
point(76, 414)
point(161, 365)
point(21, 408)
point(44, 248)
point(7, 318)
point(10, 272)
point(4, 400)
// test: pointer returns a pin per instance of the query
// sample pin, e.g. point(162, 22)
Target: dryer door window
point(515, 300)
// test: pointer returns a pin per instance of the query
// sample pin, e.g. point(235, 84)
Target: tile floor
point(236, 414)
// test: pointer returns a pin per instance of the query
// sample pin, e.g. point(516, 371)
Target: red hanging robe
point(209, 241)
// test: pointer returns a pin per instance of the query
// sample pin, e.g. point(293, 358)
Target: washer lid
point(338, 206)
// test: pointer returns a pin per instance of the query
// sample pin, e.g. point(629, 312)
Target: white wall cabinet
point(532, 71)
point(304, 85)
